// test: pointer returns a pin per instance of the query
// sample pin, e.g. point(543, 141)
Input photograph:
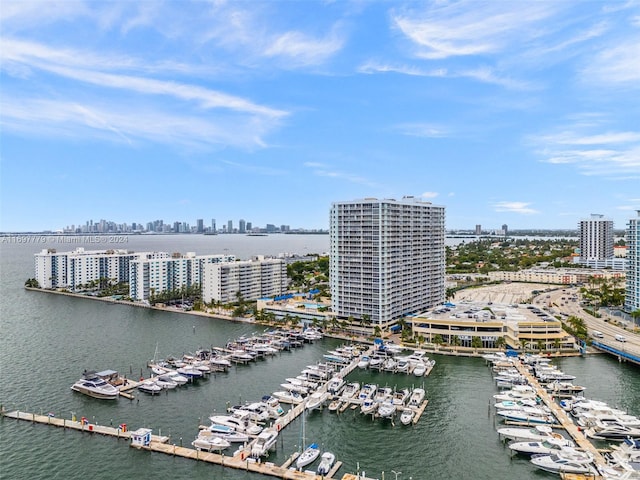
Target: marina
point(454, 426)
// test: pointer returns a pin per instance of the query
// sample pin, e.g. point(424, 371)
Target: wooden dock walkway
point(562, 417)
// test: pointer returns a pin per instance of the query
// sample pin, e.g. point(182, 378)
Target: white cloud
point(322, 170)
point(424, 130)
point(468, 28)
point(514, 207)
point(618, 65)
point(612, 154)
point(299, 49)
point(429, 195)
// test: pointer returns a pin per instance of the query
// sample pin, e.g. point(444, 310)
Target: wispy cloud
point(615, 155)
point(323, 170)
point(259, 169)
point(43, 117)
point(423, 130)
point(515, 207)
point(299, 49)
point(445, 30)
point(617, 65)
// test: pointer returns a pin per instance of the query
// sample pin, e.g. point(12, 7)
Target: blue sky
point(524, 113)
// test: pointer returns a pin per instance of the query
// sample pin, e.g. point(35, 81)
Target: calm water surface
point(47, 340)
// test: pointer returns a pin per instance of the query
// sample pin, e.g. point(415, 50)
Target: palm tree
point(500, 342)
point(476, 342)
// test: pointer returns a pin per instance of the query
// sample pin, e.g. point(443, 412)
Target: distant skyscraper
point(213, 225)
point(230, 226)
point(505, 229)
point(387, 258)
point(596, 238)
point(249, 226)
point(632, 298)
point(478, 229)
point(242, 226)
point(200, 225)
point(271, 228)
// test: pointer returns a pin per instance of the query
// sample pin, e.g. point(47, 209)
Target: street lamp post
point(396, 474)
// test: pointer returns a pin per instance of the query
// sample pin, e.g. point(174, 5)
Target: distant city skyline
point(524, 114)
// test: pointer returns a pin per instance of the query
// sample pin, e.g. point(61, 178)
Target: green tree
point(500, 342)
point(476, 342)
point(32, 283)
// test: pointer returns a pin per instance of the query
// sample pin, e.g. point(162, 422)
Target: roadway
point(560, 301)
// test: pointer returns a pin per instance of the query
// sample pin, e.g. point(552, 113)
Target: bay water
point(47, 340)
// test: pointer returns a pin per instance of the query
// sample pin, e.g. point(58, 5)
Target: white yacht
point(528, 415)
point(420, 369)
point(96, 387)
point(612, 431)
point(535, 434)
point(545, 447)
point(308, 456)
point(382, 394)
point(176, 377)
point(239, 421)
point(367, 392)
point(368, 406)
point(265, 442)
point(565, 461)
point(228, 433)
point(364, 362)
point(335, 385)
point(190, 371)
point(400, 397)
point(326, 462)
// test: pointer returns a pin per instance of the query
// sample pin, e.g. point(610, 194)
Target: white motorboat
point(165, 382)
point(402, 365)
point(627, 452)
point(535, 434)
point(92, 385)
point(274, 405)
point(351, 390)
point(308, 456)
point(364, 362)
point(367, 391)
point(316, 400)
point(383, 394)
point(527, 415)
point(239, 421)
point(418, 356)
point(420, 369)
point(515, 405)
point(228, 433)
point(211, 443)
point(176, 377)
point(157, 369)
point(387, 409)
point(545, 447)
point(327, 460)
point(400, 397)
point(368, 406)
point(389, 365)
point(417, 396)
point(265, 442)
point(334, 405)
point(150, 387)
point(406, 417)
point(295, 388)
point(335, 385)
point(612, 431)
point(258, 411)
point(286, 396)
point(565, 461)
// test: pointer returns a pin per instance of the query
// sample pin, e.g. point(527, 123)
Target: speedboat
point(308, 456)
point(315, 400)
point(545, 447)
point(326, 462)
point(387, 409)
point(286, 396)
point(400, 397)
point(265, 442)
point(565, 461)
point(515, 405)
point(612, 431)
point(96, 387)
point(406, 417)
point(273, 405)
point(176, 377)
point(383, 394)
point(389, 365)
point(334, 405)
point(367, 391)
point(402, 365)
point(535, 434)
point(150, 387)
point(208, 442)
point(528, 415)
point(364, 362)
point(164, 381)
point(351, 390)
point(335, 385)
point(368, 406)
point(420, 369)
point(417, 396)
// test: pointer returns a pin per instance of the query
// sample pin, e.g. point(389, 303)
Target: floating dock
point(563, 419)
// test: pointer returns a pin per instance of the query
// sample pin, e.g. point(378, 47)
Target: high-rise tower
point(387, 258)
